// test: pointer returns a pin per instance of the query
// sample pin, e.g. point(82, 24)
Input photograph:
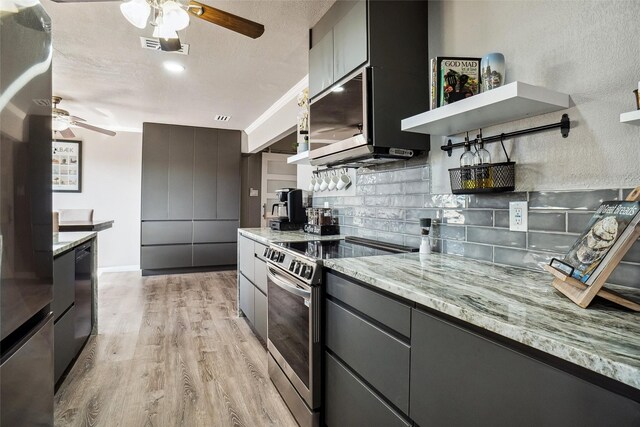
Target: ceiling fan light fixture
point(174, 16)
point(137, 12)
point(58, 124)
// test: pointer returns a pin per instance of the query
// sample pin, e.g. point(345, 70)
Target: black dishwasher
point(83, 297)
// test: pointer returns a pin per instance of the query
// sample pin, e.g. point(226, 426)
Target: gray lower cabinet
point(459, 378)
point(386, 365)
point(350, 402)
point(64, 292)
point(169, 256)
point(215, 231)
point(166, 232)
point(64, 343)
point(260, 314)
point(253, 284)
point(214, 254)
point(247, 298)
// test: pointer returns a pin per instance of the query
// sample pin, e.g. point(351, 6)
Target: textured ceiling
point(106, 78)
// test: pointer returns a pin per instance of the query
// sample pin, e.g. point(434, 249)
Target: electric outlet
point(518, 216)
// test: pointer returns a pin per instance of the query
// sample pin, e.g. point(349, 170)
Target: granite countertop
point(66, 240)
point(516, 303)
point(267, 235)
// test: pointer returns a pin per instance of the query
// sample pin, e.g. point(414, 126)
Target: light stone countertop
point(66, 240)
point(515, 303)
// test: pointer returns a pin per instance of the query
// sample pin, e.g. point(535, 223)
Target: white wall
point(111, 185)
point(587, 49)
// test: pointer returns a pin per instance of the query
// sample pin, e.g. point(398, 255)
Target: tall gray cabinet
point(190, 197)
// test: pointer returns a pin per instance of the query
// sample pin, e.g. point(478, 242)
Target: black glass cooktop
point(331, 249)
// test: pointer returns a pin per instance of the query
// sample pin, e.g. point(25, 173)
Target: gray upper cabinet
point(321, 65)
point(228, 176)
point(155, 171)
point(205, 172)
point(181, 173)
point(350, 41)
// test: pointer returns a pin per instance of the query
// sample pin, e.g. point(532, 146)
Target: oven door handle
point(287, 286)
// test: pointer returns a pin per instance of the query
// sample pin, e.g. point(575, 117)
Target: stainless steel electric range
point(294, 290)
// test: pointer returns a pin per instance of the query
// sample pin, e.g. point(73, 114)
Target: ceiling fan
point(170, 16)
point(62, 121)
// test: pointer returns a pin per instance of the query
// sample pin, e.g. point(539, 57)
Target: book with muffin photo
point(612, 223)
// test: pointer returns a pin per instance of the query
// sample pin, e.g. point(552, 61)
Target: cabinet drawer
point(247, 298)
point(215, 231)
point(260, 275)
point(259, 249)
point(64, 269)
point(387, 311)
point(64, 342)
point(166, 232)
point(386, 365)
point(214, 254)
point(460, 378)
point(349, 402)
point(246, 255)
point(172, 256)
point(260, 313)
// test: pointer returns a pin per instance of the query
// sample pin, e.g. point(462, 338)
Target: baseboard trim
point(186, 270)
point(118, 269)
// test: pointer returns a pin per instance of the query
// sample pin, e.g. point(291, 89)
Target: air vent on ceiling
point(42, 102)
point(154, 44)
point(222, 118)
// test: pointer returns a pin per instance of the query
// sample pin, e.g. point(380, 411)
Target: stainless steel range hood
point(359, 119)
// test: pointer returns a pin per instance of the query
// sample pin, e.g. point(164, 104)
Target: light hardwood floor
point(170, 352)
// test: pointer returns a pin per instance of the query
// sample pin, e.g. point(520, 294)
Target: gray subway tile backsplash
point(551, 242)
point(585, 200)
point(497, 236)
point(390, 199)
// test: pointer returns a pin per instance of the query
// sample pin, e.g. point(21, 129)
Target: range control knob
point(303, 270)
point(281, 258)
point(308, 273)
point(266, 250)
point(267, 253)
point(297, 268)
point(274, 255)
point(292, 265)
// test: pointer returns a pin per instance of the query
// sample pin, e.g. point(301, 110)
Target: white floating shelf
point(631, 118)
point(510, 102)
point(299, 159)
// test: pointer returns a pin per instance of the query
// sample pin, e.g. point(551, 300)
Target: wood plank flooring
point(170, 352)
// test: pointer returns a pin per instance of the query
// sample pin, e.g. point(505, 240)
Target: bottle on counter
point(425, 244)
point(482, 161)
point(466, 161)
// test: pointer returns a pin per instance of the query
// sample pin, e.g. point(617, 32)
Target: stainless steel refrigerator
point(26, 269)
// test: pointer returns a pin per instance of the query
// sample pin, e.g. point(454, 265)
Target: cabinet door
point(349, 402)
point(247, 298)
point(168, 256)
point(205, 171)
point(246, 261)
point(321, 65)
point(228, 177)
point(155, 171)
point(350, 41)
point(215, 231)
point(212, 254)
point(64, 270)
point(260, 314)
point(181, 173)
point(64, 342)
point(459, 378)
point(166, 232)
point(260, 274)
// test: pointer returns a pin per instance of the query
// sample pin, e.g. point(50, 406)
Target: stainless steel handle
point(287, 286)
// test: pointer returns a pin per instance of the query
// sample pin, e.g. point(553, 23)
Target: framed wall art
point(66, 166)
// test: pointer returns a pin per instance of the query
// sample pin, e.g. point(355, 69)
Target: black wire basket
point(491, 178)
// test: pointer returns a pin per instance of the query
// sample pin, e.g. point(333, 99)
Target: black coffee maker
point(293, 201)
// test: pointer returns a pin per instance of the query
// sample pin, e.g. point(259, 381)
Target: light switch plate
point(253, 192)
point(518, 216)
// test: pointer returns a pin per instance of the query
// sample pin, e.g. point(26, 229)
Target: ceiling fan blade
point(94, 128)
point(76, 119)
point(67, 133)
point(226, 19)
point(170, 45)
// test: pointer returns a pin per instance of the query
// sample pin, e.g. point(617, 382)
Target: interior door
point(276, 173)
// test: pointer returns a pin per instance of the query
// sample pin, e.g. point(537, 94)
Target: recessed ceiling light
point(174, 67)
point(337, 89)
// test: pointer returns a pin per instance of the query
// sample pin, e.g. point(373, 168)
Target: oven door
point(294, 332)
